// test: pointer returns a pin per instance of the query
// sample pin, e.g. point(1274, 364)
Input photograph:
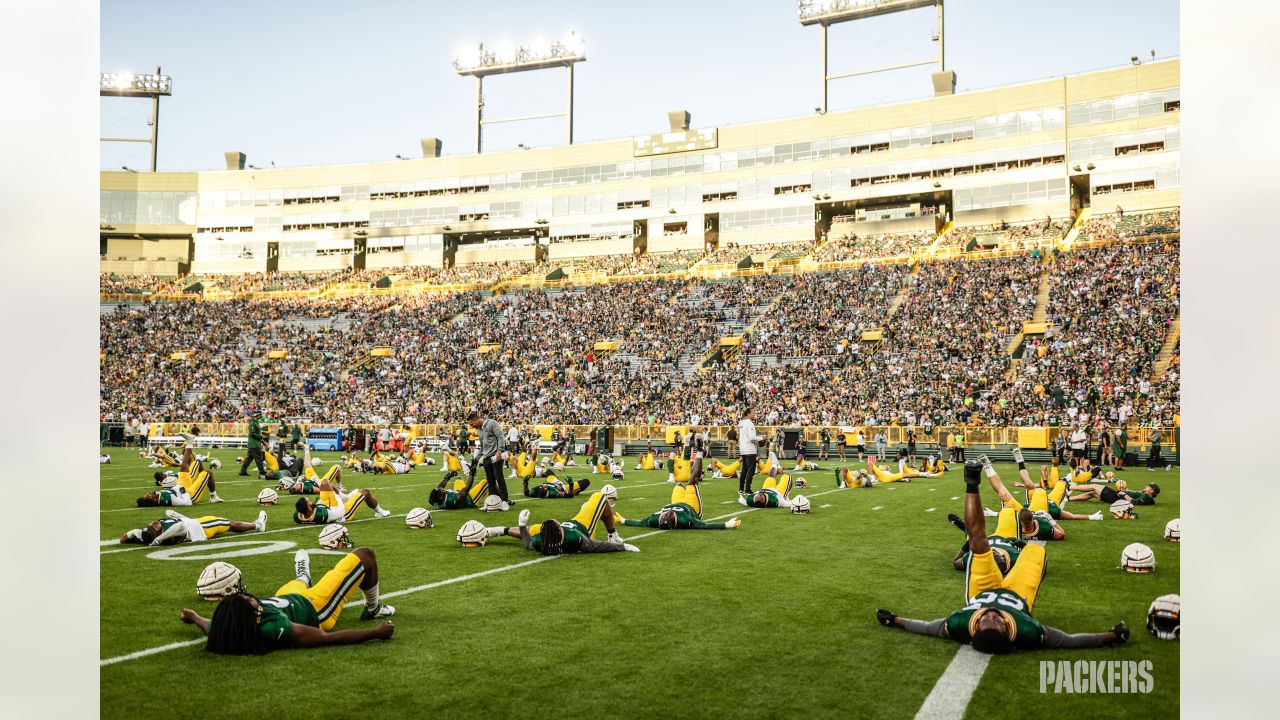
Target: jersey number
point(1012, 602)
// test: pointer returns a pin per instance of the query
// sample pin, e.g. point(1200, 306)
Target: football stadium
point(874, 411)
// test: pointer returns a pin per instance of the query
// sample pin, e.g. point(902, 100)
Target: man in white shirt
point(1079, 442)
point(749, 449)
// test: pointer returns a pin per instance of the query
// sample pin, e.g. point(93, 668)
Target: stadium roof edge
point(757, 121)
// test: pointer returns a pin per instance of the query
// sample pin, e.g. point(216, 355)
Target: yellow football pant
point(885, 476)
point(591, 511)
point(165, 458)
point(688, 495)
point(763, 466)
point(452, 462)
point(730, 469)
point(682, 470)
point(1058, 492)
point(646, 462)
point(332, 592)
point(330, 475)
point(782, 484)
point(1024, 578)
point(354, 502)
point(195, 485)
point(213, 525)
point(478, 491)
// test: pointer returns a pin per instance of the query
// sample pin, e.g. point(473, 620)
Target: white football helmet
point(473, 533)
point(1164, 617)
point(1173, 530)
point(267, 496)
point(1122, 509)
point(1138, 558)
point(316, 462)
point(800, 505)
point(168, 481)
point(419, 518)
point(219, 580)
point(215, 463)
point(286, 483)
point(335, 537)
point(801, 483)
point(493, 503)
point(610, 492)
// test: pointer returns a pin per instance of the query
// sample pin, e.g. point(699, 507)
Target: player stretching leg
point(300, 615)
point(772, 494)
point(997, 617)
point(175, 528)
point(459, 497)
point(556, 488)
point(552, 537)
point(333, 506)
point(684, 512)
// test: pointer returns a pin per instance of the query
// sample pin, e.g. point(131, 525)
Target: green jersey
point(255, 435)
point(574, 534)
point(454, 500)
point(686, 519)
point(321, 516)
point(1137, 497)
point(278, 615)
point(1009, 545)
point(295, 435)
point(166, 498)
point(771, 499)
point(1055, 512)
point(1044, 527)
point(310, 486)
point(281, 474)
point(555, 489)
point(1029, 633)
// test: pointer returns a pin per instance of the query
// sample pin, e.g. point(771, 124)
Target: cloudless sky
point(320, 82)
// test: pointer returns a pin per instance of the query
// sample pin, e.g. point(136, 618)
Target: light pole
point(127, 84)
point(537, 55)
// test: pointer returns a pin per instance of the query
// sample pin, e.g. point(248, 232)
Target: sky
point(321, 82)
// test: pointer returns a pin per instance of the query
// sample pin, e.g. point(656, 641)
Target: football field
point(774, 618)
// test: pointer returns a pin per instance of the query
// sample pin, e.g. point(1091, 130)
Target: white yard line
point(406, 591)
point(950, 695)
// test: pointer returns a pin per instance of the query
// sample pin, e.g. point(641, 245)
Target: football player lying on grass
point(549, 537)
point(1051, 499)
point(459, 497)
point(104, 459)
point(1015, 521)
point(849, 478)
point(162, 457)
point(933, 465)
point(175, 527)
point(684, 512)
point(554, 487)
point(398, 465)
point(997, 618)
point(300, 615)
point(773, 493)
point(1038, 502)
point(1108, 494)
point(335, 506)
point(188, 487)
point(884, 476)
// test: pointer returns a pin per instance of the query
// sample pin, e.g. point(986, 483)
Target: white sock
point(371, 597)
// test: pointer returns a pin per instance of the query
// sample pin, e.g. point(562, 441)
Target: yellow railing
point(976, 438)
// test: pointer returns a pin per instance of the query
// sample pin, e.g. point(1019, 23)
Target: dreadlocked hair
point(436, 496)
point(233, 630)
point(148, 501)
point(552, 538)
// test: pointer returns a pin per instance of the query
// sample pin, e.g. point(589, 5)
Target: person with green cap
point(255, 445)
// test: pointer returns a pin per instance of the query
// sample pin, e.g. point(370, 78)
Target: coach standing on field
point(492, 443)
point(749, 448)
point(255, 446)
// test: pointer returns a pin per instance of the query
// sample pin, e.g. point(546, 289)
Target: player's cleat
point(380, 612)
point(261, 523)
point(1017, 455)
point(381, 512)
point(733, 523)
point(988, 512)
point(614, 537)
point(213, 498)
point(302, 566)
point(885, 617)
point(986, 462)
point(955, 520)
point(1096, 516)
point(1122, 633)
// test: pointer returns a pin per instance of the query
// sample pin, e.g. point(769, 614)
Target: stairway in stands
point(901, 297)
point(1039, 314)
point(1166, 351)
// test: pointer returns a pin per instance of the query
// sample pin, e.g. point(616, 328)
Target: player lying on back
point(105, 459)
point(397, 465)
point(1038, 503)
point(163, 457)
point(188, 487)
point(299, 615)
point(684, 512)
point(997, 618)
point(335, 506)
point(175, 528)
point(1015, 521)
point(549, 537)
point(882, 475)
point(849, 478)
point(1051, 499)
point(772, 494)
point(459, 496)
point(1108, 494)
point(554, 487)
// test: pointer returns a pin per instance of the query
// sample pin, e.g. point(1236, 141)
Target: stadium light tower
point(829, 12)
point(537, 55)
point(127, 84)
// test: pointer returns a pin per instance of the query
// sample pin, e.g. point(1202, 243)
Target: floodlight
point(138, 85)
point(811, 12)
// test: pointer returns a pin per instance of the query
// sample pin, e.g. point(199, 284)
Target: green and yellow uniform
point(573, 537)
point(326, 508)
point(1137, 497)
point(588, 517)
point(317, 606)
point(982, 574)
point(457, 498)
point(1028, 633)
point(165, 458)
point(686, 519)
point(1007, 523)
point(680, 468)
point(555, 488)
point(272, 462)
point(1010, 545)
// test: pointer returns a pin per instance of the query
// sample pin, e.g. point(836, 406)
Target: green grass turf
point(773, 619)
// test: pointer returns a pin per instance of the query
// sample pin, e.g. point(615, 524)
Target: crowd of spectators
point(1013, 236)
point(1121, 225)
point(944, 358)
point(137, 284)
point(733, 252)
point(847, 245)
